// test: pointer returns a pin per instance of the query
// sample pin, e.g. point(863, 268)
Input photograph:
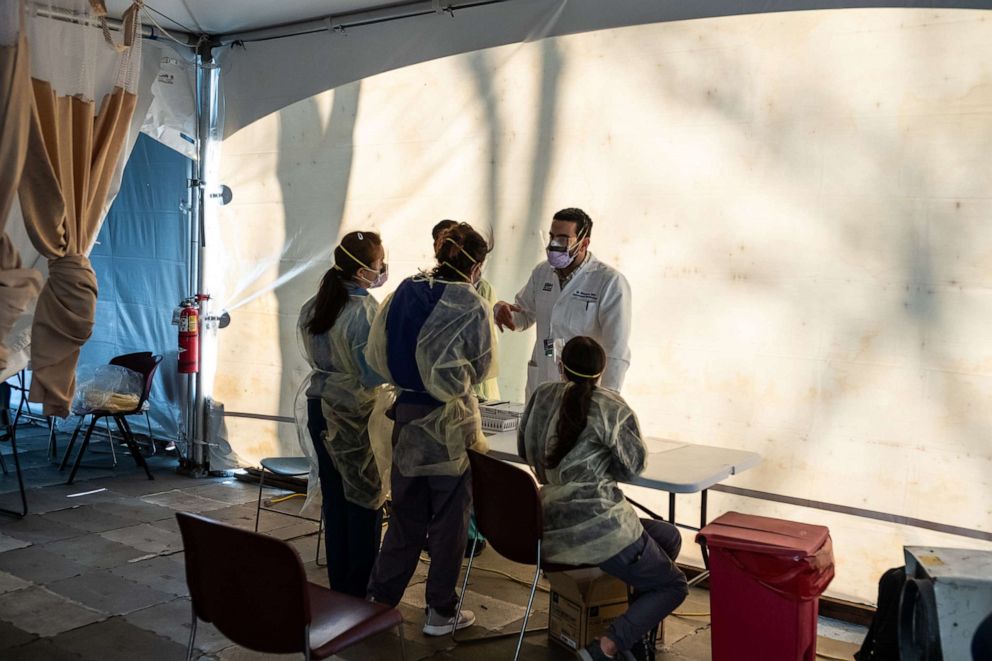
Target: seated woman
point(581, 440)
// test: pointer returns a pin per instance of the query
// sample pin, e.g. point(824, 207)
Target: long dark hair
point(459, 250)
point(582, 362)
point(332, 295)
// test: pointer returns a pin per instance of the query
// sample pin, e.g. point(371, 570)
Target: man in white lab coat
point(570, 294)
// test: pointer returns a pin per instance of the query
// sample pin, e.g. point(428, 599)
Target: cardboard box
point(583, 604)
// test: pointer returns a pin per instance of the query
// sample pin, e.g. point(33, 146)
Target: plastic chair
point(143, 363)
point(287, 467)
point(8, 434)
point(508, 511)
point(253, 588)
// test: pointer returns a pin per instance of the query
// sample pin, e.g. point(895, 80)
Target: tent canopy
point(206, 17)
point(274, 55)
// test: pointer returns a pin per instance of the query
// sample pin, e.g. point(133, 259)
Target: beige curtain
point(18, 286)
point(73, 152)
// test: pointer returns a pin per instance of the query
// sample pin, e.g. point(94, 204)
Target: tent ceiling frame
point(342, 22)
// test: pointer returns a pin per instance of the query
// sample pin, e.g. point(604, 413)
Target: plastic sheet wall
point(140, 263)
point(800, 203)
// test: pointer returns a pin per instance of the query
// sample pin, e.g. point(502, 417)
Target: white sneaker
point(436, 624)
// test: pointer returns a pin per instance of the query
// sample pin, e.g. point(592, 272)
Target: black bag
point(882, 641)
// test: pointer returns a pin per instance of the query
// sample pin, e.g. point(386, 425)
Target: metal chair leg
point(82, 449)
point(110, 436)
point(53, 446)
point(20, 478)
point(530, 603)
point(192, 636)
point(399, 632)
point(151, 439)
point(3, 464)
point(461, 597)
point(258, 508)
point(320, 536)
point(132, 446)
point(72, 443)
point(23, 401)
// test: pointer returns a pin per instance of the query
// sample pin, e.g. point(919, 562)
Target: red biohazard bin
point(766, 577)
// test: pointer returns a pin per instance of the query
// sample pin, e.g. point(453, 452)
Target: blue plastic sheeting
point(140, 263)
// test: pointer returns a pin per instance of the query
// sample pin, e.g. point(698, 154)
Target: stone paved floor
point(95, 572)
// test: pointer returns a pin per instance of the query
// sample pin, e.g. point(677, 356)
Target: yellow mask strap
point(472, 259)
point(449, 265)
point(581, 376)
point(358, 261)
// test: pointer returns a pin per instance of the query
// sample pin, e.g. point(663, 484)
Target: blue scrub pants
point(648, 567)
point(351, 532)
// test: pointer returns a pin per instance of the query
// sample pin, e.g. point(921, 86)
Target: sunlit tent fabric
point(814, 183)
point(18, 286)
point(75, 153)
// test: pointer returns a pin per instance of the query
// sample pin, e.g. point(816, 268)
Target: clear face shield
point(561, 252)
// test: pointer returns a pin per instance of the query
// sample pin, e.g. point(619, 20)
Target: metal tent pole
point(346, 20)
point(207, 113)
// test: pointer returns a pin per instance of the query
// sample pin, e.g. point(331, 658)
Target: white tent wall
point(800, 202)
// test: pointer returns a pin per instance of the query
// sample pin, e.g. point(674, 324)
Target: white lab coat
point(596, 302)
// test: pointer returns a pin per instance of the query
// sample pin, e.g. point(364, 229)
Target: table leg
point(702, 509)
point(671, 508)
point(644, 509)
point(705, 574)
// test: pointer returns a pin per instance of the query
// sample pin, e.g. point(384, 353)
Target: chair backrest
point(507, 507)
point(250, 586)
point(145, 364)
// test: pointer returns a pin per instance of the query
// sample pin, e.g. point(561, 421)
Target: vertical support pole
point(186, 385)
point(207, 111)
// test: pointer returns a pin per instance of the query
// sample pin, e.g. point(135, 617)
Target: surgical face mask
point(560, 253)
point(380, 278)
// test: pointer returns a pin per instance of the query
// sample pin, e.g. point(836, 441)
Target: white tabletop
point(671, 465)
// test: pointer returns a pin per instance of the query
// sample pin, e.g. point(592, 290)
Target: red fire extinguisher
point(189, 335)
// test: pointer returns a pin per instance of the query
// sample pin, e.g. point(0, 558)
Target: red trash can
point(766, 577)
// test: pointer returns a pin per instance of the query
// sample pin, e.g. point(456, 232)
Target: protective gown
point(455, 350)
point(587, 520)
point(488, 389)
point(358, 432)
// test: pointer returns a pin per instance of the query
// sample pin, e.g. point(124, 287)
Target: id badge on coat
point(553, 348)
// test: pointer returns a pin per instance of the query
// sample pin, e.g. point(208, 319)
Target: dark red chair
point(508, 512)
point(145, 364)
point(253, 588)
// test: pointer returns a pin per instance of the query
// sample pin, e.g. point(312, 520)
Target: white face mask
point(380, 279)
point(561, 253)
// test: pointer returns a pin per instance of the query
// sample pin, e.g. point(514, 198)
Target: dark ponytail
point(582, 361)
point(333, 295)
point(459, 249)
